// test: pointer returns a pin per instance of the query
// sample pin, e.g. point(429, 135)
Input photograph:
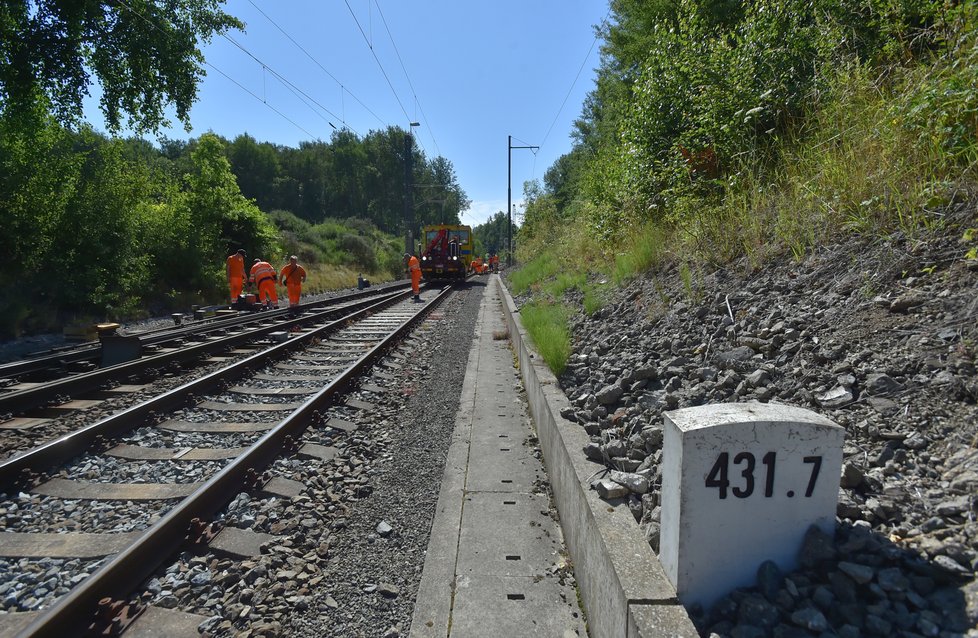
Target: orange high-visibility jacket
point(414, 267)
point(262, 271)
point(236, 266)
point(293, 276)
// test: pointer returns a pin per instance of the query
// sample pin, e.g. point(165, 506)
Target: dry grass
point(326, 277)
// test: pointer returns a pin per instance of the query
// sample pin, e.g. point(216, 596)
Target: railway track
point(67, 361)
point(39, 408)
point(215, 435)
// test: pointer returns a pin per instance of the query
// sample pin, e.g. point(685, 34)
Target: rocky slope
point(882, 338)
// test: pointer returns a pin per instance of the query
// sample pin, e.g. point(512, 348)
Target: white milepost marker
point(741, 484)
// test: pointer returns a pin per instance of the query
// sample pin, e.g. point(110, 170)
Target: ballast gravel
point(40, 581)
point(882, 338)
point(350, 549)
point(34, 513)
point(107, 469)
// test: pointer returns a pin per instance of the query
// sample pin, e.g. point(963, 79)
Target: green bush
point(361, 253)
point(286, 221)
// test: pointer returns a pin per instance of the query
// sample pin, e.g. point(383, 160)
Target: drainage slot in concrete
point(509, 502)
point(506, 481)
point(516, 596)
point(504, 436)
point(513, 558)
point(504, 449)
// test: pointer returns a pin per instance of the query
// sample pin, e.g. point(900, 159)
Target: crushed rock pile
point(881, 338)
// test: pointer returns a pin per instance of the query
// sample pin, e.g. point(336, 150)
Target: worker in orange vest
point(494, 263)
point(236, 274)
point(414, 269)
point(263, 275)
point(293, 276)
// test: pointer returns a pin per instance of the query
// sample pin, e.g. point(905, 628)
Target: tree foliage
point(144, 54)
point(689, 91)
point(348, 177)
point(94, 230)
point(492, 236)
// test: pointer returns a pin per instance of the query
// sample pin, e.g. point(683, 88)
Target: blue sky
point(476, 72)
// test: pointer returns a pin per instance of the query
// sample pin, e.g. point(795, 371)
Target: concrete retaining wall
point(623, 587)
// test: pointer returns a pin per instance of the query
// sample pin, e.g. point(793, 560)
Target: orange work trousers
point(237, 285)
point(266, 290)
point(416, 282)
point(295, 290)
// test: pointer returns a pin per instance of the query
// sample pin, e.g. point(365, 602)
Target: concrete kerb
point(623, 587)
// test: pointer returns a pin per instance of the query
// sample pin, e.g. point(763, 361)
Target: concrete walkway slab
point(513, 606)
point(525, 549)
point(495, 564)
point(621, 582)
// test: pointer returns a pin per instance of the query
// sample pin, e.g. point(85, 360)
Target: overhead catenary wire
point(247, 90)
point(379, 64)
point(533, 148)
point(414, 91)
point(299, 97)
point(342, 86)
point(280, 77)
point(574, 83)
point(238, 84)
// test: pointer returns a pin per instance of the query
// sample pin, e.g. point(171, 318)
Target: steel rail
point(90, 351)
point(22, 400)
point(59, 450)
point(72, 614)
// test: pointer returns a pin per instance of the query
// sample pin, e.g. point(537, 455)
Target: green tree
point(345, 197)
point(221, 219)
point(257, 169)
point(144, 54)
point(69, 203)
point(540, 215)
point(493, 236)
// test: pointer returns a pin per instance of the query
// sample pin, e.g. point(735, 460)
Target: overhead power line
point(281, 78)
point(252, 94)
point(317, 63)
point(381, 66)
point(414, 92)
point(573, 84)
point(241, 86)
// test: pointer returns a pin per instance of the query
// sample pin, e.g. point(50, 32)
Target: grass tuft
point(547, 325)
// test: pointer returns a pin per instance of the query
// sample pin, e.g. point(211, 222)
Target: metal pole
point(509, 198)
point(408, 195)
point(509, 192)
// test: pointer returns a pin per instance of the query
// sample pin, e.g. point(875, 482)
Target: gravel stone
point(844, 332)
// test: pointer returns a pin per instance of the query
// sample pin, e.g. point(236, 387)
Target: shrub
point(360, 251)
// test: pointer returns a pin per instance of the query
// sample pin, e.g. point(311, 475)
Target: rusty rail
point(59, 450)
point(124, 572)
point(19, 401)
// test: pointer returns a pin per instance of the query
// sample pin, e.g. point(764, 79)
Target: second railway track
point(47, 408)
point(215, 436)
